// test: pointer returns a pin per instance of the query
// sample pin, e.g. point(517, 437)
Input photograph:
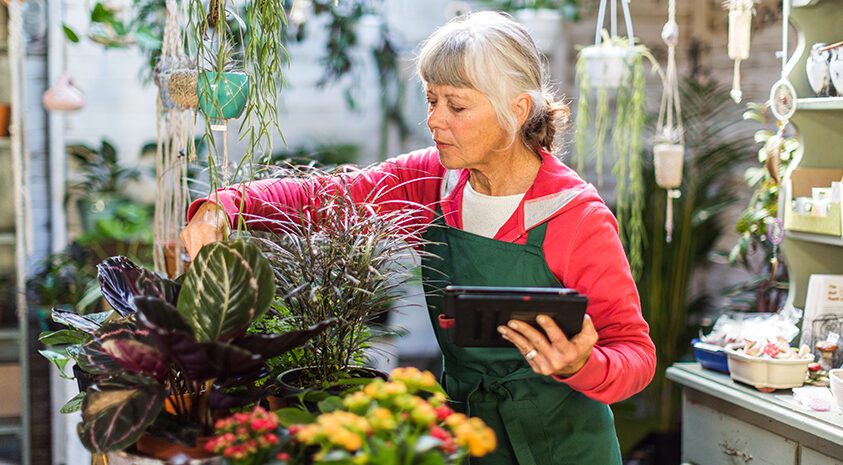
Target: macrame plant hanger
point(740, 32)
point(613, 21)
point(174, 151)
point(669, 152)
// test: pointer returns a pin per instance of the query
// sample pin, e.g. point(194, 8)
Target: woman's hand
point(554, 353)
point(209, 224)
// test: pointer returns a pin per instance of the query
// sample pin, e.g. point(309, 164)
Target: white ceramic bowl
point(767, 372)
point(835, 377)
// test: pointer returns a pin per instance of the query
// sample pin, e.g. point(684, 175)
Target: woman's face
point(464, 126)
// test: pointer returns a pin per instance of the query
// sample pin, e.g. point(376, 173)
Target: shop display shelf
point(820, 104)
point(9, 426)
point(815, 238)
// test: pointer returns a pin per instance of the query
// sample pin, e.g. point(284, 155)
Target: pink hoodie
point(582, 247)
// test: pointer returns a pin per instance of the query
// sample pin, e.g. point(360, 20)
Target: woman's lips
point(441, 145)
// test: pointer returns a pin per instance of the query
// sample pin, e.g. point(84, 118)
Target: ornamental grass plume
point(341, 257)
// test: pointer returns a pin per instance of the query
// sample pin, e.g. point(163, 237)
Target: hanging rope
point(669, 159)
point(175, 149)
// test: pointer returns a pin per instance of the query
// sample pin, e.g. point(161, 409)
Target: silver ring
point(531, 354)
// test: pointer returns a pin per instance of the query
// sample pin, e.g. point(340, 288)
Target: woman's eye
point(457, 109)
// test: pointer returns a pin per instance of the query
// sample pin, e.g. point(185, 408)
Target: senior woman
point(512, 214)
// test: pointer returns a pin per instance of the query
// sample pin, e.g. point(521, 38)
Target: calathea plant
point(173, 353)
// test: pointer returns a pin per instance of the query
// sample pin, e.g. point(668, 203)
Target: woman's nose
point(435, 120)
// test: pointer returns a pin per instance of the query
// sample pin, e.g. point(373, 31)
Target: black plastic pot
point(288, 384)
point(84, 380)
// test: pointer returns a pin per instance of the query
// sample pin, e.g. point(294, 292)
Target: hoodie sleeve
point(594, 263)
point(414, 178)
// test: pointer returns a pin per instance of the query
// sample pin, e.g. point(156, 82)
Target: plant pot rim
point(604, 50)
point(292, 389)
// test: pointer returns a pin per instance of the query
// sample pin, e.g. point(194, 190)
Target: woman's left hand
point(555, 354)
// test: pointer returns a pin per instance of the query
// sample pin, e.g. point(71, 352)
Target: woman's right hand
point(209, 224)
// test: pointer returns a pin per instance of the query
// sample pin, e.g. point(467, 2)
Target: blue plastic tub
point(710, 357)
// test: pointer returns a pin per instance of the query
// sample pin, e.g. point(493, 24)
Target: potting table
point(729, 423)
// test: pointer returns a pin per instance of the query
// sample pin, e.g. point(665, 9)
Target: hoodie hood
point(556, 189)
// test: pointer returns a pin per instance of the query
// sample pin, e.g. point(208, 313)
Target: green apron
point(537, 420)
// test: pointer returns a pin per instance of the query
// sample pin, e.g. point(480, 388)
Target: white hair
point(491, 53)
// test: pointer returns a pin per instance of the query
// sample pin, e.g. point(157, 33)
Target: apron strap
point(535, 238)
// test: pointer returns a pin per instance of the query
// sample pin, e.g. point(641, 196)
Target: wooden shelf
point(9, 334)
point(9, 426)
point(820, 104)
point(836, 241)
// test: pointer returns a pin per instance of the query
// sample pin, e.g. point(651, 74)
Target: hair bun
point(540, 131)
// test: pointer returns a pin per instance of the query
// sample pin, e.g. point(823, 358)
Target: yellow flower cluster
point(472, 433)
point(414, 378)
point(390, 410)
point(344, 429)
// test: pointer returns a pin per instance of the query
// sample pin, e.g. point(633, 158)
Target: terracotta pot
point(5, 117)
point(170, 252)
point(170, 403)
point(276, 402)
point(155, 447)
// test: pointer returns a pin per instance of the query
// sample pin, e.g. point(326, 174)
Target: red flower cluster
point(243, 437)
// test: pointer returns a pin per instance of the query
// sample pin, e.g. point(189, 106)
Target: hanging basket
point(182, 88)
point(608, 62)
point(161, 77)
point(740, 32)
point(63, 95)
point(668, 160)
point(607, 65)
point(222, 97)
point(544, 25)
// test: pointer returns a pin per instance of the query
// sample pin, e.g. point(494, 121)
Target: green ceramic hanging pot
point(224, 97)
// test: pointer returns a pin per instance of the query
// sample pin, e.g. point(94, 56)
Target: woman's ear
point(522, 105)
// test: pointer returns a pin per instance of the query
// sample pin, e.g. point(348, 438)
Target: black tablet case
point(479, 310)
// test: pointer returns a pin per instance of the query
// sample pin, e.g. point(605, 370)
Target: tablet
point(479, 310)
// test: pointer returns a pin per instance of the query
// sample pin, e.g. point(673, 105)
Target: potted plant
point(344, 260)
point(404, 420)
point(223, 86)
point(174, 354)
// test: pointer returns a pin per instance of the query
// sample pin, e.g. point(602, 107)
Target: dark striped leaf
point(121, 281)
point(272, 345)
point(136, 351)
point(229, 285)
point(74, 320)
point(116, 412)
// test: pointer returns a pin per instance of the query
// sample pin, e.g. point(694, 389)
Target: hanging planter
point(668, 160)
point(607, 64)
point(63, 95)
point(610, 120)
point(669, 155)
point(740, 33)
point(222, 96)
point(182, 86)
point(544, 25)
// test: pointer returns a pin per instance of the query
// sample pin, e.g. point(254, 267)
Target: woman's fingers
point(526, 339)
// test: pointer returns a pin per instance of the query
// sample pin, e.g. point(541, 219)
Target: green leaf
point(70, 34)
point(330, 404)
point(57, 358)
point(101, 14)
point(430, 459)
point(74, 404)
point(228, 286)
point(115, 413)
point(61, 337)
point(294, 416)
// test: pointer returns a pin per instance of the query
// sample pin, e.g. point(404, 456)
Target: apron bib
point(537, 420)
